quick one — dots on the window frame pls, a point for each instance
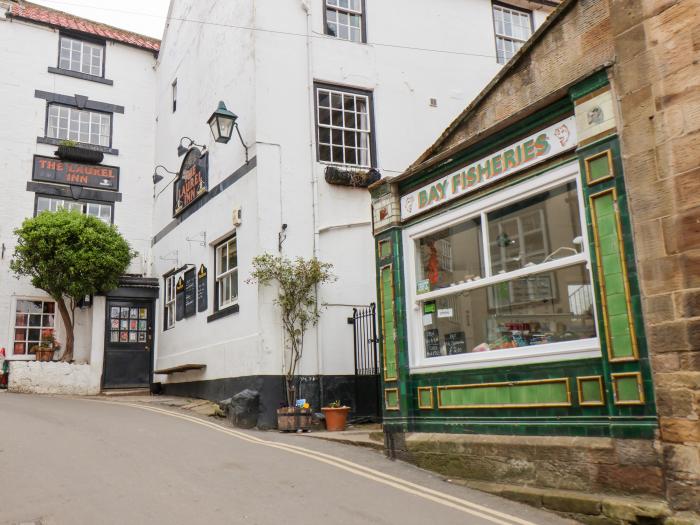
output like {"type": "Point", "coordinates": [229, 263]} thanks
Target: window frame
{"type": "Point", "coordinates": [363, 21]}
{"type": "Point", "coordinates": [13, 320]}
{"type": "Point", "coordinates": [496, 35]}
{"type": "Point", "coordinates": [371, 118]}
{"type": "Point", "coordinates": [578, 349]}
{"type": "Point", "coordinates": [86, 40]}
{"type": "Point", "coordinates": [74, 108]}
{"type": "Point", "coordinates": [169, 302]}
{"type": "Point", "coordinates": [84, 202]}
{"type": "Point", "coordinates": [173, 92]}
{"type": "Point", "coordinates": [234, 302]}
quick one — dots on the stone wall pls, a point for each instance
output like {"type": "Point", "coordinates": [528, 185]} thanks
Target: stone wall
{"type": "Point", "coordinates": [657, 84]}
{"type": "Point", "coordinates": [54, 377]}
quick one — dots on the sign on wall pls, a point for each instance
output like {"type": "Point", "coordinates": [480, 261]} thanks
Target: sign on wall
{"type": "Point", "coordinates": [202, 297]}
{"type": "Point", "coordinates": [519, 156]}
{"type": "Point", "coordinates": [190, 292]}
{"type": "Point", "coordinates": [51, 169]}
{"type": "Point", "coordinates": [180, 300]}
{"type": "Point", "coordinates": [192, 181]}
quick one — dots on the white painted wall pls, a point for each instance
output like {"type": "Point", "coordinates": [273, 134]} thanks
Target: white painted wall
{"type": "Point", "coordinates": [26, 51]}
{"type": "Point", "coordinates": [265, 76]}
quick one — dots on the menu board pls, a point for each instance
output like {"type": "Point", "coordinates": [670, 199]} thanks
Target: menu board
{"type": "Point", "coordinates": [455, 343]}
{"type": "Point", "coordinates": [202, 296]}
{"type": "Point", "coordinates": [180, 300]}
{"type": "Point", "coordinates": [432, 342]}
{"type": "Point", "coordinates": [190, 292]}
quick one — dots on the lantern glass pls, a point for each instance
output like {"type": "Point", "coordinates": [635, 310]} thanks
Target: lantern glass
{"type": "Point", "coordinates": [225, 128]}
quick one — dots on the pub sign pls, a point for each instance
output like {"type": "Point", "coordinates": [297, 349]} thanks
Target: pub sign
{"type": "Point", "coordinates": [52, 169]}
{"type": "Point", "coordinates": [192, 180]}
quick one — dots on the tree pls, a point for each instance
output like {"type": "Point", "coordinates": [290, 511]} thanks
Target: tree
{"type": "Point", "coordinates": [296, 298]}
{"type": "Point", "coordinates": [70, 255]}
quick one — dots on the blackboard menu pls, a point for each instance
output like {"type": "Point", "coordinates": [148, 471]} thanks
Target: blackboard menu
{"type": "Point", "coordinates": [202, 298]}
{"type": "Point", "coordinates": [455, 343]}
{"type": "Point", "coordinates": [180, 300]}
{"type": "Point", "coordinates": [190, 292]}
{"type": "Point", "coordinates": [432, 342]}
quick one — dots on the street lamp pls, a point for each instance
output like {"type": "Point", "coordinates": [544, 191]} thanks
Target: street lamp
{"type": "Point", "coordinates": [221, 123]}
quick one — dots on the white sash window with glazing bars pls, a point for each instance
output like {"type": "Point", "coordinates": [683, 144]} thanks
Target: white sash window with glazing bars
{"type": "Point", "coordinates": [80, 125]}
{"type": "Point", "coordinates": [81, 56]}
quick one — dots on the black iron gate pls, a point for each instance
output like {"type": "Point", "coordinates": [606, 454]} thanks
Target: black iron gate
{"type": "Point", "coordinates": [367, 384]}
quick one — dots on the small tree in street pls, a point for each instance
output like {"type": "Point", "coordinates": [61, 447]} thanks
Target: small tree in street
{"type": "Point", "coordinates": [296, 298]}
{"type": "Point", "coordinates": [70, 255]}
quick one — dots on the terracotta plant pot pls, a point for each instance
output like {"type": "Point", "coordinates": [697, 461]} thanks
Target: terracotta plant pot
{"type": "Point", "coordinates": [335, 418]}
{"type": "Point", "coordinates": [44, 354]}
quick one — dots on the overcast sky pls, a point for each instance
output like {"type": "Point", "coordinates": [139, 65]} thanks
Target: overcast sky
{"type": "Point", "coordinates": [141, 16]}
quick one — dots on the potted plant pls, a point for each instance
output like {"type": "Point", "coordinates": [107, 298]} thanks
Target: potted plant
{"type": "Point", "coordinates": [336, 416]}
{"type": "Point", "coordinates": [45, 349]}
{"type": "Point", "coordinates": [297, 282]}
{"type": "Point", "coordinates": [71, 150]}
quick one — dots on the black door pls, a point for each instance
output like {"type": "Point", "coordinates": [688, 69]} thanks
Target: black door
{"type": "Point", "coordinates": [128, 349]}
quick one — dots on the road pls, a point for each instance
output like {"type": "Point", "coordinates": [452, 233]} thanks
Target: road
{"type": "Point", "coordinates": [67, 461]}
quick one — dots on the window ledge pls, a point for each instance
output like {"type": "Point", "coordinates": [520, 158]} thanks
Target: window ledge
{"type": "Point", "coordinates": [78, 74]}
{"type": "Point", "coordinates": [233, 309]}
{"type": "Point", "coordinates": [56, 142]}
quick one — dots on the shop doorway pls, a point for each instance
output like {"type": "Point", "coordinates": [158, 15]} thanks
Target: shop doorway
{"type": "Point", "coordinates": [128, 360]}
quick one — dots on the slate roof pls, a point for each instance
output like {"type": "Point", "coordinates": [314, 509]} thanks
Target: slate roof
{"type": "Point", "coordinates": [45, 15]}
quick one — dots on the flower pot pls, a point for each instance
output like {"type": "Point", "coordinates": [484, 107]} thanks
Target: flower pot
{"type": "Point", "coordinates": [335, 418]}
{"type": "Point", "coordinates": [291, 419]}
{"type": "Point", "coordinates": [80, 154]}
{"type": "Point", "coordinates": [44, 354]}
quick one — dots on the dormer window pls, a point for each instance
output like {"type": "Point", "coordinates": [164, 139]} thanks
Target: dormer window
{"type": "Point", "coordinates": [81, 56]}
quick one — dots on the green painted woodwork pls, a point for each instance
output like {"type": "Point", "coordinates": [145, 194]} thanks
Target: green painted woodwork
{"type": "Point", "coordinates": [589, 85]}
{"type": "Point", "coordinates": [598, 168]}
{"type": "Point", "coordinates": [425, 398]}
{"type": "Point", "coordinates": [527, 394]}
{"type": "Point", "coordinates": [388, 322]}
{"type": "Point", "coordinates": [590, 390]}
{"type": "Point", "coordinates": [627, 388]}
{"type": "Point", "coordinates": [391, 398]}
{"type": "Point", "coordinates": [384, 249]}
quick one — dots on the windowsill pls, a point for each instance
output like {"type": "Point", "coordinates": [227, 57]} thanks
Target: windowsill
{"type": "Point", "coordinates": [57, 142]}
{"type": "Point", "coordinates": [82, 76]}
{"type": "Point", "coordinates": [224, 312]}
{"type": "Point", "coordinates": [354, 167]}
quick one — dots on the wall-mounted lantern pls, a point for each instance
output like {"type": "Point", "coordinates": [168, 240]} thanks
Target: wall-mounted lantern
{"type": "Point", "coordinates": [222, 122]}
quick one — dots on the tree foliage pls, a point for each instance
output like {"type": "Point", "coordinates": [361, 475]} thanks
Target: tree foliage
{"type": "Point", "coordinates": [297, 282]}
{"type": "Point", "coordinates": [70, 255]}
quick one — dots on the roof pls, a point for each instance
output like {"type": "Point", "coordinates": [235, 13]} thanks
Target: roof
{"type": "Point", "coordinates": [45, 15]}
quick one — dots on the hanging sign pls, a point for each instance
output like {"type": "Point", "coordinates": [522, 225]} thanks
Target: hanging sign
{"type": "Point", "coordinates": [525, 153]}
{"type": "Point", "coordinates": [202, 298]}
{"type": "Point", "coordinates": [190, 292]}
{"type": "Point", "coordinates": [180, 300]}
{"type": "Point", "coordinates": [192, 180]}
{"type": "Point", "coordinates": [51, 169]}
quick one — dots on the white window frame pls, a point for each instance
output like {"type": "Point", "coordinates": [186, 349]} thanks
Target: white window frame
{"type": "Point", "coordinates": [174, 94]}
{"type": "Point", "coordinates": [169, 303]}
{"type": "Point", "coordinates": [56, 203]}
{"type": "Point", "coordinates": [68, 46]}
{"type": "Point", "coordinates": [346, 11]}
{"type": "Point", "coordinates": [560, 351]}
{"type": "Point", "coordinates": [69, 123]}
{"type": "Point", "coordinates": [230, 273]}
{"type": "Point", "coordinates": [516, 41]}
{"type": "Point", "coordinates": [13, 320]}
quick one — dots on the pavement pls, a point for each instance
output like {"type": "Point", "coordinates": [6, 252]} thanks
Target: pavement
{"type": "Point", "coordinates": [74, 461]}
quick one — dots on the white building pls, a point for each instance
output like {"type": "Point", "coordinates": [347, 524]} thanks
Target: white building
{"type": "Point", "coordinates": [62, 77]}
{"type": "Point", "coordinates": [351, 84]}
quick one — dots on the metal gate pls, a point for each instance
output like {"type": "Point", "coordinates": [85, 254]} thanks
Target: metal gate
{"type": "Point", "coordinates": [367, 385]}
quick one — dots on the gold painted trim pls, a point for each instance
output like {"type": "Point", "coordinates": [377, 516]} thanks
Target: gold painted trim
{"type": "Point", "coordinates": [601, 278]}
{"type": "Point", "coordinates": [608, 133]}
{"type": "Point", "coordinates": [593, 94]}
{"type": "Point", "coordinates": [565, 380]}
{"type": "Point", "coordinates": [583, 403]}
{"type": "Point", "coordinates": [398, 399]}
{"type": "Point", "coordinates": [381, 243]}
{"type": "Point", "coordinates": [587, 164]}
{"type": "Point", "coordinates": [640, 388]}
{"type": "Point", "coordinates": [383, 321]}
{"type": "Point", "coordinates": [432, 402]}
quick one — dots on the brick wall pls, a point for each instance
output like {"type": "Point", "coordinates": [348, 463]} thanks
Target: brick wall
{"type": "Point", "coordinates": [657, 83]}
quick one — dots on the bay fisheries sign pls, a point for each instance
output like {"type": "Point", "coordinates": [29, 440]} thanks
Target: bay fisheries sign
{"type": "Point", "coordinates": [192, 180]}
{"type": "Point", "coordinates": [51, 169]}
{"type": "Point", "coordinates": [519, 156]}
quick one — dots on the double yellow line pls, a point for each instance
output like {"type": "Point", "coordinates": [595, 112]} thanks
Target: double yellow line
{"type": "Point", "coordinates": [435, 496]}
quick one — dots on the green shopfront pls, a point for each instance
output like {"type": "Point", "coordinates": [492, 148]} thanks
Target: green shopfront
{"type": "Point", "coordinates": [507, 285]}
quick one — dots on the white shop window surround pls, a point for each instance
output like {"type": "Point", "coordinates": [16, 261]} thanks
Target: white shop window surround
{"type": "Point", "coordinates": [31, 317]}
{"type": "Point", "coordinates": [81, 56]}
{"type": "Point", "coordinates": [536, 353]}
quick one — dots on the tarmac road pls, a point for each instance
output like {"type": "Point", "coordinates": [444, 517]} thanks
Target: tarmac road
{"type": "Point", "coordinates": [67, 461]}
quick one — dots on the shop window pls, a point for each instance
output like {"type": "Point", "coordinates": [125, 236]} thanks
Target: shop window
{"type": "Point", "coordinates": [102, 211]}
{"type": "Point", "coordinates": [343, 125]}
{"type": "Point", "coordinates": [83, 57]}
{"type": "Point", "coordinates": [345, 19]}
{"type": "Point", "coordinates": [79, 125]}
{"type": "Point", "coordinates": [512, 27]}
{"type": "Point", "coordinates": [226, 274]}
{"type": "Point", "coordinates": [33, 320]}
{"type": "Point", "coordinates": [169, 302]}
{"type": "Point", "coordinates": [521, 274]}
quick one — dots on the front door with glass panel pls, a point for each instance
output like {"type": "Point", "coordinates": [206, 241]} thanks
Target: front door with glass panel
{"type": "Point", "coordinates": [128, 344]}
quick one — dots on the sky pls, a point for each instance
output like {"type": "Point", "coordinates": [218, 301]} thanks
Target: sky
{"type": "Point", "coordinates": [141, 16]}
